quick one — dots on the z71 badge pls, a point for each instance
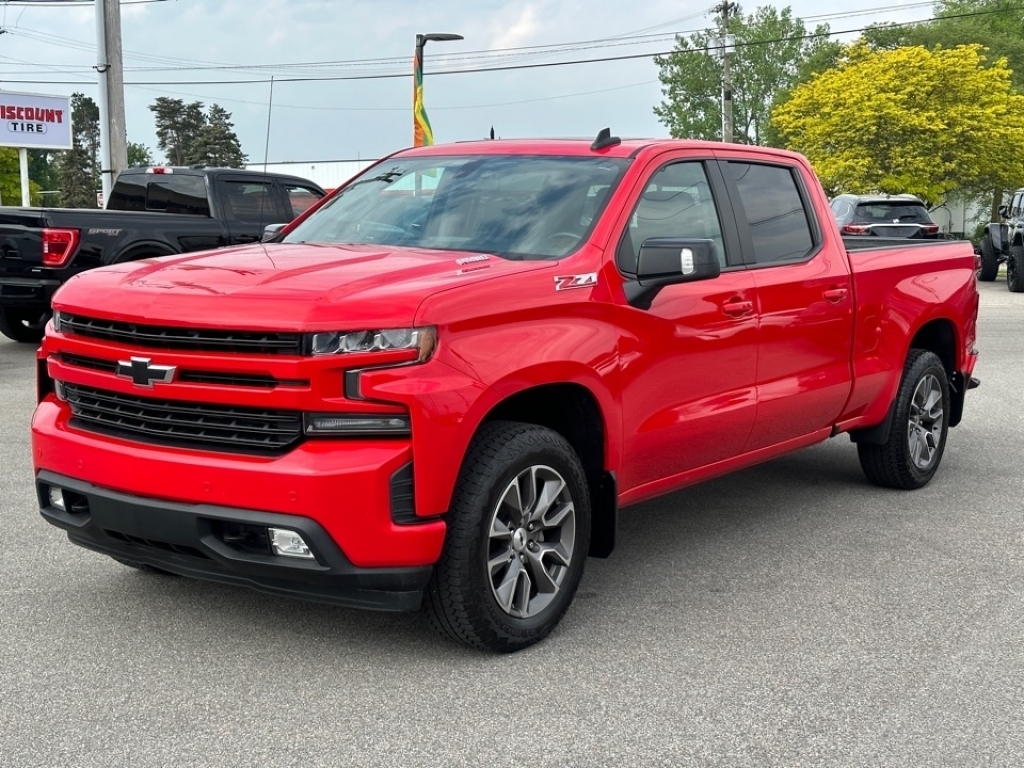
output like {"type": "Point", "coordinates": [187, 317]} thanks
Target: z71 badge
{"type": "Point", "coordinates": [565, 282]}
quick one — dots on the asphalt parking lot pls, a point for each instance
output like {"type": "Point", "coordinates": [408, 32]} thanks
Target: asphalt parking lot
{"type": "Point", "coordinates": [789, 615]}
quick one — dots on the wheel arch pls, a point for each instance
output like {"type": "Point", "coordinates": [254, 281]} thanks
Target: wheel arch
{"type": "Point", "coordinates": [573, 411]}
{"type": "Point", "coordinates": [144, 249]}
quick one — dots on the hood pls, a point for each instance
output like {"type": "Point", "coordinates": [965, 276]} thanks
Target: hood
{"type": "Point", "coordinates": [281, 286]}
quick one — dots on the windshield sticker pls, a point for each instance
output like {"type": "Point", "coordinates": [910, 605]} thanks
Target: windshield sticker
{"type": "Point", "coordinates": [566, 282]}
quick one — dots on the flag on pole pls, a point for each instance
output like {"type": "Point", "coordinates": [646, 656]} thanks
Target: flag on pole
{"type": "Point", "coordinates": [422, 135]}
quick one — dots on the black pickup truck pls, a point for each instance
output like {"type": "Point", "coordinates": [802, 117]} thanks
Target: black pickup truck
{"type": "Point", "coordinates": [154, 211]}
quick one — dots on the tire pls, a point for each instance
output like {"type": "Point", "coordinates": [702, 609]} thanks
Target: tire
{"type": "Point", "coordinates": [24, 324]}
{"type": "Point", "coordinates": [498, 550]}
{"type": "Point", "coordinates": [1015, 269]}
{"type": "Point", "coordinates": [917, 437]}
{"type": "Point", "coordinates": [989, 261]}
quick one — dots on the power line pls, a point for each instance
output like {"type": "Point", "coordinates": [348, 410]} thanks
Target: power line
{"type": "Point", "coordinates": [512, 67]}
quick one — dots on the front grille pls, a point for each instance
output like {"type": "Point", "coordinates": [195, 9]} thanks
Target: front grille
{"type": "Point", "coordinates": [192, 377]}
{"type": "Point", "coordinates": [184, 424]}
{"type": "Point", "coordinates": [164, 546]}
{"type": "Point", "coordinates": [199, 339]}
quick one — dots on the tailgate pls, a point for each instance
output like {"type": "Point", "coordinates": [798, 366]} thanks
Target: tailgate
{"type": "Point", "coordinates": [21, 245]}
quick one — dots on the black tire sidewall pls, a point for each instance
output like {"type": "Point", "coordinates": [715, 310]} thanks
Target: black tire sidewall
{"type": "Point", "coordinates": [573, 476]}
{"type": "Point", "coordinates": [12, 325]}
{"type": "Point", "coordinates": [459, 599]}
{"type": "Point", "coordinates": [989, 262]}
{"type": "Point", "coordinates": [925, 363]}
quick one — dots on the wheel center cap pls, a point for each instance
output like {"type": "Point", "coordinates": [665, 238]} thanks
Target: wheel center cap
{"type": "Point", "coordinates": [519, 540]}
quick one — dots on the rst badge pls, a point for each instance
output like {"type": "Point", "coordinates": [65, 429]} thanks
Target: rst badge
{"type": "Point", "coordinates": [566, 282]}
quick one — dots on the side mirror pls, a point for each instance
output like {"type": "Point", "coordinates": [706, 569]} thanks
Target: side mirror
{"type": "Point", "coordinates": [271, 231]}
{"type": "Point", "coordinates": [670, 261]}
{"type": "Point", "coordinates": [1004, 210]}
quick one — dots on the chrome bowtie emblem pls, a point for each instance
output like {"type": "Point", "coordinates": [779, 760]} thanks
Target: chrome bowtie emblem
{"type": "Point", "coordinates": [143, 373]}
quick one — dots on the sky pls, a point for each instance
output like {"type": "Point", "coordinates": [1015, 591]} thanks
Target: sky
{"type": "Point", "coordinates": [169, 45]}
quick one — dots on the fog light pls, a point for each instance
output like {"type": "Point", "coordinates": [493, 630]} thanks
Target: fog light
{"type": "Point", "coordinates": [57, 498]}
{"type": "Point", "coordinates": [288, 543]}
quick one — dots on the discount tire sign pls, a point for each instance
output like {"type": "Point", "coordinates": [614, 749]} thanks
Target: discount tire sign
{"type": "Point", "coordinates": [34, 121]}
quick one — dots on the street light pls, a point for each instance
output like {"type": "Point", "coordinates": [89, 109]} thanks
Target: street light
{"type": "Point", "coordinates": [421, 132]}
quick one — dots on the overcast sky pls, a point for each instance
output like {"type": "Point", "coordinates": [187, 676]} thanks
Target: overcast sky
{"type": "Point", "coordinates": [167, 41]}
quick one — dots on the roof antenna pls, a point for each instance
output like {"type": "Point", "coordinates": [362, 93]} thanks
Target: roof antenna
{"type": "Point", "coordinates": [492, 133]}
{"type": "Point", "coordinates": [604, 140]}
{"type": "Point", "coordinates": [266, 156]}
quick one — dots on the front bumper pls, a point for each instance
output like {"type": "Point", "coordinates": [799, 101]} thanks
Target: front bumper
{"type": "Point", "coordinates": [344, 486]}
{"type": "Point", "coordinates": [195, 540]}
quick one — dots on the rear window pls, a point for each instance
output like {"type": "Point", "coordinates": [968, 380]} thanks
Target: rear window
{"type": "Point", "coordinates": [892, 212]}
{"type": "Point", "coordinates": [166, 193]}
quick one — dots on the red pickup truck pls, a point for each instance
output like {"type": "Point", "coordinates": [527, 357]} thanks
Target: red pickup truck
{"type": "Point", "coordinates": [440, 385]}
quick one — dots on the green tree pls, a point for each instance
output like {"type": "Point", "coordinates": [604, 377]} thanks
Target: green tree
{"type": "Point", "coordinates": [773, 52]}
{"type": "Point", "coordinates": [996, 24]}
{"type": "Point", "coordinates": [78, 169]}
{"type": "Point", "coordinates": [10, 179]}
{"type": "Point", "coordinates": [217, 145]}
{"type": "Point", "coordinates": [909, 120]}
{"type": "Point", "coordinates": [139, 154]}
{"type": "Point", "coordinates": [178, 126]}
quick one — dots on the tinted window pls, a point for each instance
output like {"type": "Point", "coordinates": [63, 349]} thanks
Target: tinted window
{"type": "Point", "coordinates": [251, 202]}
{"type": "Point", "coordinates": [300, 198]}
{"type": "Point", "coordinates": [128, 194]}
{"type": "Point", "coordinates": [676, 203]}
{"type": "Point", "coordinates": [892, 212]}
{"type": "Point", "coordinates": [515, 206]}
{"type": "Point", "coordinates": [175, 193]}
{"type": "Point", "coordinates": [775, 212]}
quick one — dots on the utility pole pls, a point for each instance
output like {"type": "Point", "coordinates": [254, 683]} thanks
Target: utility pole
{"type": "Point", "coordinates": [726, 42]}
{"type": "Point", "coordinates": [113, 141]}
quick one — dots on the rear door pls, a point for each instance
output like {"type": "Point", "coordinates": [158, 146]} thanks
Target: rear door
{"type": "Point", "coordinates": [688, 361]}
{"type": "Point", "coordinates": [805, 302]}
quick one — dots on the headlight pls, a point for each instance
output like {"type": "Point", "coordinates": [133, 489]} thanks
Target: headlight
{"type": "Point", "coordinates": [423, 340]}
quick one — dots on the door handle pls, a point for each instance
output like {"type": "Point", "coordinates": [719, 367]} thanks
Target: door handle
{"type": "Point", "coordinates": [738, 308]}
{"type": "Point", "coordinates": [835, 295]}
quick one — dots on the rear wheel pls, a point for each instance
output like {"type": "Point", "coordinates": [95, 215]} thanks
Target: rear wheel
{"type": "Point", "coordinates": [24, 324]}
{"type": "Point", "coordinates": [989, 261]}
{"type": "Point", "coordinates": [911, 455]}
{"type": "Point", "coordinates": [518, 532]}
{"type": "Point", "coordinates": [1015, 269]}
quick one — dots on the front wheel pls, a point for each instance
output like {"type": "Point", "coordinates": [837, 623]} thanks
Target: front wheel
{"type": "Point", "coordinates": [518, 534]}
{"type": "Point", "coordinates": [24, 324]}
{"type": "Point", "coordinates": [1015, 269]}
{"type": "Point", "coordinates": [917, 437]}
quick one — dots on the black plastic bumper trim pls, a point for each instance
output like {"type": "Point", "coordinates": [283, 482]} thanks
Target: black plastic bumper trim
{"type": "Point", "coordinates": [183, 539]}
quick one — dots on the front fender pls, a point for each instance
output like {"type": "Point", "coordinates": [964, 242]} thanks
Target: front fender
{"type": "Point", "coordinates": [451, 396]}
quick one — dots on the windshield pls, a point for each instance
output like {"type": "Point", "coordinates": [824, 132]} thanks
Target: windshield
{"type": "Point", "coordinates": [514, 206]}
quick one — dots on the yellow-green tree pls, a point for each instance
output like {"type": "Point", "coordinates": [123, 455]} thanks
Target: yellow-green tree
{"type": "Point", "coordinates": [909, 120]}
{"type": "Point", "coordinates": [10, 180]}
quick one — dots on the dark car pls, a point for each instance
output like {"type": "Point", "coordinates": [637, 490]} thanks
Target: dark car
{"type": "Point", "coordinates": [156, 211]}
{"type": "Point", "coordinates": [883, 216]}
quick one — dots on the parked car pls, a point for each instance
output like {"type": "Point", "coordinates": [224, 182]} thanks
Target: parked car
{"type": "Point", "coordinates": [441, 387]}
{"type": "Point", "coordinates": [883, 216]}
{"type": "Point", "coordinates": [1003, 242]}
{"type": "Point", "coordinates": [154, 211]}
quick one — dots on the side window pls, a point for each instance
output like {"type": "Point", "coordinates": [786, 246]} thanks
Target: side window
{"type": "Point", "coordinates": [775, 211]}
{"type": "Point", "coordinates": [676, 203]}
{"type": "Point", "coordinates": [841, 209]}
{"type": "Point", "coordinates": [300, 198]}
{"type": "Point", "coordinates": [177, 193]}
{"type": "Point", "coordinates": [251, 202]}
{"type": "Point", "coordinates": [1015, 205]}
